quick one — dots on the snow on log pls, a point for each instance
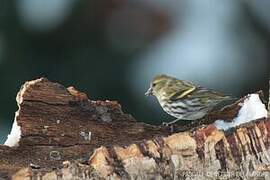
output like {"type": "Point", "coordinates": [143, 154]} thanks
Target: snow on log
{"type": "Point", "coordinates": [60, 133]}
{"type": "Point", "coordinates": [252, 108]}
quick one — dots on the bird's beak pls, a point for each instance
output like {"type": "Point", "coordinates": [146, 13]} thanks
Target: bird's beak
{"type": "Point", "coordinates": [149, 92]}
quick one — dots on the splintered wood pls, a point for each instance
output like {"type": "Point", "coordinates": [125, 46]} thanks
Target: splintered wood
{"type": "Point", "coordinates": [65, 135]}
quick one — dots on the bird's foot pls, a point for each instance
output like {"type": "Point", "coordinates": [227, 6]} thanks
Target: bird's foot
{"type": "Point", "coordinates": [165, 124]}
{"type": "Point", "coordinates": [168, 125]}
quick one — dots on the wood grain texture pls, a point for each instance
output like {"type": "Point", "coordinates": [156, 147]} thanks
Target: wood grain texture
{"type": "Point", "coordinates": [60, 124]}
{"type": "Point", "coordinates": [64, 134]}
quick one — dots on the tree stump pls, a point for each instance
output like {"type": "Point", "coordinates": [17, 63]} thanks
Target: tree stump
{"type": "Point", "coordinates": [60, 133]}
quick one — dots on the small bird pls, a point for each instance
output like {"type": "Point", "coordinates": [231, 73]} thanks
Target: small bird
{"type": "Point", "coordinates": [183, 99]}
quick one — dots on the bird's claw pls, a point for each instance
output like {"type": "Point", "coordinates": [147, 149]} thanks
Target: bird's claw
{"type": "Point", "coordinates": [165, 124]}
{"type": "Point", "coordinates": [168, 125]}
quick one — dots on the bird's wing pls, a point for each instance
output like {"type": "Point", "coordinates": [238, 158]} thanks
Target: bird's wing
{"type": "Point", "coordinates": [201, 91]}
{"type": "Point", "coordinates": [181, 89]}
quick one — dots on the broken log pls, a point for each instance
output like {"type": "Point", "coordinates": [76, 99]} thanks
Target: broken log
{"type": "Point", "coordinates": [59, 132]}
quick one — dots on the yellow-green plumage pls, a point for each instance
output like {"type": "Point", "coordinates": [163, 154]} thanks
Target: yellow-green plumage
{"type": "Point", "coordinates": [183, 99]}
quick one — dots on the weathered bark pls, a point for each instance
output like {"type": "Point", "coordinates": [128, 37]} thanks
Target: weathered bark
{"type": "Point", "coordinates": [64, 134]}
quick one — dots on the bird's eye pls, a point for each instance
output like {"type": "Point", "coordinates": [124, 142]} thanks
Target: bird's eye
{"type": "Point", "coordinates": [154, 84]}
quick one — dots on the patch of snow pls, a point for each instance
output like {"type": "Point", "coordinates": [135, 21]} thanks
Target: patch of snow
{"type": "Point", "coordinates": [15, 134]}
{"type": "Point", "coordinates": [86, 136]}
{"type": "Point", "coordinates": [251, 109]}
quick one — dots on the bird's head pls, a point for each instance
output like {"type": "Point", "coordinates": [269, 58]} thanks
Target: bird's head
{"type": "Point", "coordinates": [166, 87]}
{"type": "Point", "coordinates": [159, 86]}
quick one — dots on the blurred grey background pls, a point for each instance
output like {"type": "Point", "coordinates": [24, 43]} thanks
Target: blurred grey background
{"type": "Point", "coordinates": [111, 49]}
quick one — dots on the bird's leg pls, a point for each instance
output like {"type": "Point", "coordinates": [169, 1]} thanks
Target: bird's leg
{"type": "Point", "coordinates": [178, 128]}
{"type": "Point", "coordinates": [170, 123]}
{"type": "Point", "coordinates": [178, 119]}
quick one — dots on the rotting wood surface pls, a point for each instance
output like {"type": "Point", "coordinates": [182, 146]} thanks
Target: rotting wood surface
{"type": "Point", "coordinates": [64, 134]}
